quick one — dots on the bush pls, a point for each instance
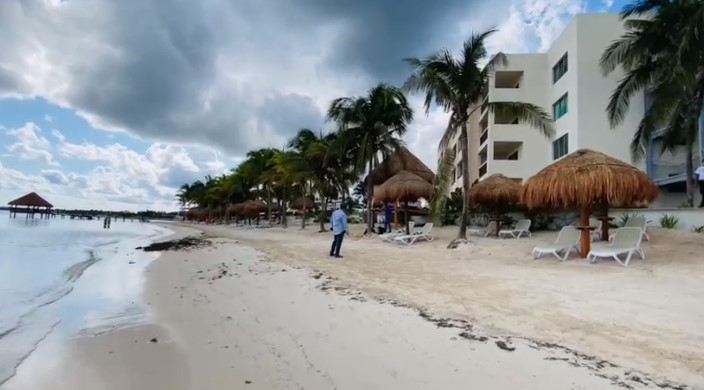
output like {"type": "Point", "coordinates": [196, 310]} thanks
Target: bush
{"type": "Point", "coordinates": [669, 221]}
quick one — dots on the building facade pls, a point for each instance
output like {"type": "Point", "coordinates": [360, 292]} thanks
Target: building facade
{"type": "Point", "coordinates": [567, 82]}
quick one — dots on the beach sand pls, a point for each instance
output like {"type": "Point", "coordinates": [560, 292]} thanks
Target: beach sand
{"type": "Point", "coordinates": [485, 315]}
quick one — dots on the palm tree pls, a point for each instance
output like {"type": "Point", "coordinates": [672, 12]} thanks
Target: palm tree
{"type": "Point", "coordinates": [662, 53]}
{"type": "Point", "coordinates": [371, 128]}
{"type": "Point", "coordinates": [459, 85]}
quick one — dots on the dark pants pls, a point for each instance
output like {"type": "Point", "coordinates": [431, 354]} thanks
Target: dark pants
{"type": "Point", "coordinates": [336, 244]}
{"type": "Point", "coordinates": [701, 192]}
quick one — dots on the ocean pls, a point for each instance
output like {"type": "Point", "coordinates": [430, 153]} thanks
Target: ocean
{"type": "Point", "coordinates": [61, 278]}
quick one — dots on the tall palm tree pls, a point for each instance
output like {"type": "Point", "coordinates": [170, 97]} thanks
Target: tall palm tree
{"type": "Point", "coordinates": [371, 128]}
{"type": "Point", "coordinates": [662, 53]}
{"type": "Point", "coordinates": [459, 85]}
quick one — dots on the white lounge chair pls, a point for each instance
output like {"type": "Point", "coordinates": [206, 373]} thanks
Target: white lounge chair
{"type": "Point", "coordinates": [424, 234]}
{"type": "Point", "coordinates": [639, 222]}
{"type": "Point", "coordinates": [522, 227]}
{"type": "Point", "coordinates": [626, 241]}
{"type": "Point", "coordinates": [597, 226]}
{"type": "Point", "coordinates": [389, 237]}
{"type": "Point", "coordinates": [566, 241]}
{"type": "Point", "coordinates": [483, 232]}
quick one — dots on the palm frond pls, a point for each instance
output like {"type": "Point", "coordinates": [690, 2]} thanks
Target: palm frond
{"type": "Point", "coordinates": [441, 185]}
{"type": "Point", "coordinates": [526, 113]}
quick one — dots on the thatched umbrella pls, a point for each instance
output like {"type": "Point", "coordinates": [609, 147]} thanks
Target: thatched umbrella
{"type": "Point", "coordinates": [302, 202]}
{"type": "Point", "coordinates": [404, 187]}
{"type": "Point", "coordinates": [585, 179]}
{"type": "Point", "coordinates": [252, 208]}
{"type": "Point", "coordinates": [494, 192]}
{"type": "Point", "coordinates": [402, 160]}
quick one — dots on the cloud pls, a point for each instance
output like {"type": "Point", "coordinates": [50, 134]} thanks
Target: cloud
{"type": "Point", "coordinates": [221, 77]}
{"type": "Point", "coordinates": [30, 145]}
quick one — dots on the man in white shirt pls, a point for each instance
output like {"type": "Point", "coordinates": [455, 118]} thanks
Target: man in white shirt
{"type": "Point", "coordinates": [699, 173]}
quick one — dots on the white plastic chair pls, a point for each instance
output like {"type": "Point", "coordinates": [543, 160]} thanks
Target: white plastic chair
{"type": "Point", "coordinates": [626, 241]}
{"type": "Point", "coordinates": [566, 241]}
{"type": "Point", "coordinates": [483, 232]}
{"type": "Point", "coordinates": [389, 237]}
{"type": "Point", "coordinates": [639, 222]}
{"type": "Point", "coordinates": [424, 234]}
{"type": "Point", "coordinates": [522, 227]}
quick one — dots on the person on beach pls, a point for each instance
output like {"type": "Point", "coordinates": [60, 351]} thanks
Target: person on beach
{"type": "Point", "coordinates": [699, 176]}
{"type": "Point", "coordinates": [339, 229]}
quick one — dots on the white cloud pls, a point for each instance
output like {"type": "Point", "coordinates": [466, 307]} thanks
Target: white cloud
{"type": "Point", "coordinates": [48, 118]}
{"type": "Point", "coordinates": [31, 144]}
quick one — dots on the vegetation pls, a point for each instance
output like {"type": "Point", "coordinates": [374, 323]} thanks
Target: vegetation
{"type": "Point", "coordinates": [669, 221]}
{"type": "Point", "coordinates": [662, 52]}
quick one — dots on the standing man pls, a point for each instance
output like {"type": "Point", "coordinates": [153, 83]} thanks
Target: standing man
{"type": "Point", "coordinates": [339, 229]}
{"type": "Point", "coordinates": [388, 215]}
{"type": "Point", "coordinates": [699, 175]}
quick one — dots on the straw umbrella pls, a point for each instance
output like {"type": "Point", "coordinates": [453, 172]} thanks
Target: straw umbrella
{"type": "Point", "coordinates": [585, 179]}
{"type": "Point", "coordinates": [404, 187]}
{"type": "Point", "coordinates": [495, 192]}
{"type": "Point", "coordinates": [302, 203]}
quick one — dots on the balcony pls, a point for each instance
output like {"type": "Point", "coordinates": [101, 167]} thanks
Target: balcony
{"type": "Point", "coordinates": [507, 150]}
{"type": "Point", "coordinates": [505, 119]}
{"type": "Point", "coordinates": [508, 79]}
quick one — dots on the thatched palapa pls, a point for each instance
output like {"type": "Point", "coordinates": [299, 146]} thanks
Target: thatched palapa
{"type": "Point", "coordinates": [252, 208]}
{"type": "Point", "coordinates": [587, 179]}
{"type": "Point", "coordinates": [405, 187]}
{"type": "Point", "coordinates": [402, 160]}
{"type": "Point", "coordinates": [495, 191]}
{"type": "Point", "coordinates": [299, 203]}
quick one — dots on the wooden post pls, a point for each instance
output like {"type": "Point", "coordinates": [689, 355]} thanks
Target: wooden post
{"type": "Point", "coordinates": [605, 222]}
{"type": "Point", "coordinates": [396, 206]}
{"type": "Point", "coordinates": [405, 215]}
{"type": "Point", "coordinates": [586, 233]}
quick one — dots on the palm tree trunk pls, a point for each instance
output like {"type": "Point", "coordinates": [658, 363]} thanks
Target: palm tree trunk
{"type": "Point", "coordinates": [284, 220]}
{"type": "Point", "coordinates": [464, 219]}
{"type": "Point", "coordinates": [689, 172]}
{"type": "Point", "coordinates": [305, 199]}
{"type": "Point", "coordinates": [322, 213]}
{"type": "Point", "coordinates": [370, 197]}
{"type": "Point", "coordinates": [268, 204]}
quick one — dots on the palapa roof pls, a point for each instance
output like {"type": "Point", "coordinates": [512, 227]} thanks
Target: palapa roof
{"type": "Point", "coordinates": [494, 190]}
{"type": "Point", "coordinates": [587, 177]}
{"type": "Point", "coordinates": [402, 160]}
{"type": "Point", "coordinates": [32, 200]}
{"type": "Point", "coordinates": [404, 186]}
{"type": "Point", "coordinates": [298, 203]}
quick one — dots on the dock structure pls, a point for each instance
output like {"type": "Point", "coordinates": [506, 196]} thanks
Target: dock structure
{"type": "Point", "coordinates": [31, 205]}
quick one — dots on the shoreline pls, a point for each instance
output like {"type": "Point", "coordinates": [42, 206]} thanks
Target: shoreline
{"type": "Point", "coordinates": [313, 324]}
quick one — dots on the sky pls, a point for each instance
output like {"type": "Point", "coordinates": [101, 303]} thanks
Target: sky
{"type": "Point", "coordinates": [114, 104]}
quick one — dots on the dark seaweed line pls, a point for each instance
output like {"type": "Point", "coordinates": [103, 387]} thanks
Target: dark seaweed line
{"type": "Point", "coordinates": [579, 359]}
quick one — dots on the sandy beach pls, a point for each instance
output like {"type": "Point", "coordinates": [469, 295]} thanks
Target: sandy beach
{"type": "Point", "coordinates": [268, 309]}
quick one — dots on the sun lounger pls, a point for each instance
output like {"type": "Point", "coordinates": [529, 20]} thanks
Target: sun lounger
{"type": "Point", "coordinates": [626, 241]}
{"type": "Point", "coordinates": [483, 232]}
{"type": "Point", "coordinates": [389, 237]}
{"type": "Point", "coordinates": [566, 241]}
{"type": "Point", "coordinates": [424, 234]}
{"type": "Point", "coordinates": [639, 222]}
{"type": "Point", "coordinates": [522, 227]}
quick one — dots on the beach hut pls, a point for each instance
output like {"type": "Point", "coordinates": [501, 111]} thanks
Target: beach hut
{"type": "Point", "coordinates": [495, 193]}
{"type": "Point", "coordinates": [252, 208]}
{"type": "Point", "coordinates": [30, 204]}
{"type": "Point", "coordinates": [587, 179]}
{"type": "Point", "coordinates": [404, 187]}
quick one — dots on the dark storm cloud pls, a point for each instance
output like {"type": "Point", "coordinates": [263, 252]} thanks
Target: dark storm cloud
{"type": "Point", "coordinates": [383, 32]}
{"type": "Point", "coordinates": [155, 67]}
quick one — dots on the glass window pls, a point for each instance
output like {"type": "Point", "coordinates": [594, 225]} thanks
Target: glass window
{"type": "Point", "coordinates": [559, 108]}
{"type": "Point", "coordinates": [559, 69]}
{"type": "Point", "coordinates": [560, 146]}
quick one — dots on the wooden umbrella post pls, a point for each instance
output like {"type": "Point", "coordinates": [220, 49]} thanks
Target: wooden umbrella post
{"type": "Point", "coordinates": [405, 216]}
{"type": "Point", "coordinates": [605, 222]}
{"type": "Point", "coordinates": [396, 214]}
{"type": "Point", "coordinates": [585, 241]}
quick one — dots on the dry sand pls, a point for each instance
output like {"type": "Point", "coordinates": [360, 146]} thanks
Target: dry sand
{"type": "Point", "coordinates": [289, 316]}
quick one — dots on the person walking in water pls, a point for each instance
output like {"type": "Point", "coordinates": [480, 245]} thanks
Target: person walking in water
{"type": "Point", "coordinates": [339, 229]}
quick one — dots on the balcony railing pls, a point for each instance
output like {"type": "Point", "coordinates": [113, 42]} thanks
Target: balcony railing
{"type": "Point", "coordinates": [482, 169]}
{"type": "Point", "coordinates": [484, 137]}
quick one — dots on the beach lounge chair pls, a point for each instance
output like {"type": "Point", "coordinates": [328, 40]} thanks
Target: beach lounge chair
{"type": "Point", "coordinates": [626, 241]}
{"type": "Point", "coordinates": [389, 237]}
{"type": "Point", "coordinates": [424, 234]}
{"type": "Point", "coordinates": [596, 225]}
{"type": "Point", "coordinates": [483, 232]}
{"type": "Point", "coordinates": [522, 227]}
{"type": "Point", "coordinates": [566, 241]}
{"type": "Point", "coordinates": [639, 222]}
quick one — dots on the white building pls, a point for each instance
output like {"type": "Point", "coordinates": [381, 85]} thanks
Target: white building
{"type": "Point", "coordinates": [567, 81]}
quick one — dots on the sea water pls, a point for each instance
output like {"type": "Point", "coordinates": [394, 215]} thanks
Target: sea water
{"type": "Point", "coordinates": [67, 276]}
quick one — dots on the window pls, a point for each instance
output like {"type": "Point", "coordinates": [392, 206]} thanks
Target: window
{"type": "Point", "coordinates": [559, 108]}
{"type": "Point", "coordinates": [560, 147]}
{"type": "Point", "coordinates": [559, 69]}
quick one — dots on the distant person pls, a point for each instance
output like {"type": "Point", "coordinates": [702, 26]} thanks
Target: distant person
{"type": "Point", "coordinates": [388, 215]}
{"type": "Point", "coordinates": [339, 229]}
{"type": "Point", "coordinates": [699, 173]}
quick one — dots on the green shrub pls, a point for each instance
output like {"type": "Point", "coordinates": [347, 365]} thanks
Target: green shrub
{"type": "Point", "coordinates": [669, 221]}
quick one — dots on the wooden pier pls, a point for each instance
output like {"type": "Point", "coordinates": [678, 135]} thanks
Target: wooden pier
{"type": "Point", "coordinates": [31, 205]}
